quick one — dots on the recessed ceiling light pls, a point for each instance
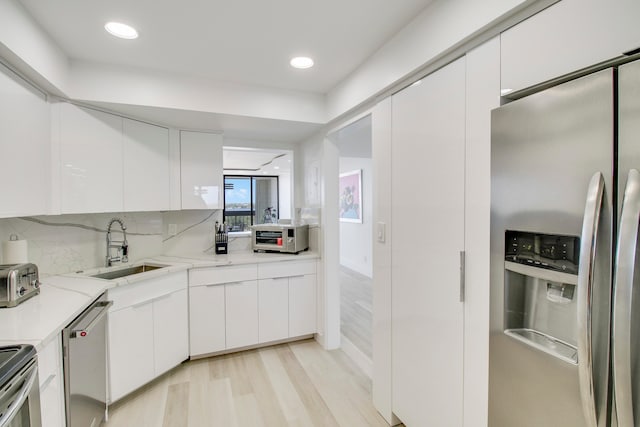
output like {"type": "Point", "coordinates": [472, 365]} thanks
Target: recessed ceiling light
{"type": "Point", "coordinates": [301, 62]}
{"type": "Point", "coordinates": [276, 167]}
{"type": "Point", "coordinates": [121, 30]}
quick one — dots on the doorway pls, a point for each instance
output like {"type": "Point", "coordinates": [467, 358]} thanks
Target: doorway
{"type": "Point", "coordinates": [355, 236]}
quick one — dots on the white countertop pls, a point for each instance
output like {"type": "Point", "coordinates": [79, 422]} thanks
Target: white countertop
{"type": "Point", "coordinates": [43, 316]}
{"type": "Point", "coordinates": [64, 297]}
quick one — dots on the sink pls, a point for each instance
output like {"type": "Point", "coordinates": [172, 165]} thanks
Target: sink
{"type": "Point", "coordinates": [129, 271]}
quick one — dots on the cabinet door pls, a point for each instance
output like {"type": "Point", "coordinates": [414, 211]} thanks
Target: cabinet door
{"type": "Point", "coordinates": [51, 384]}
{"type": "Point", "coordinates": [273, 309]}
{"type": "Point", "coordinates": [241, 302]}
{"type": "Point", "coordinates": [25, 146]}
{"type": "Point", "coordinates": [302, 305]}
{"type": "Point", "coordinates": [91, 160]}
{"type": "Point", "coordinates": [146, 167]}
{"type": "Point", "coordinates": [201, 170]}
{"type": "Point", "coordinates": [170, 331]}
{"type": "Point", "coordinates": [130, 349]}
{"type": "Point", "coordinates": [427, 181]}
{"type": "Point", "coordinates": [206, 319]}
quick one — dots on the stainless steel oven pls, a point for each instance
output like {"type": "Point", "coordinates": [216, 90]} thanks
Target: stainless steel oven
{"type": "Point", "coordinates": [19, 389]}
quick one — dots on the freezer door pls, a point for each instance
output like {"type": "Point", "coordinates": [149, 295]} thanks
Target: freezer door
{"type": "Point", "coordinates": [546, 150]}
{"type": "Point", "coordinates": [626, 314]}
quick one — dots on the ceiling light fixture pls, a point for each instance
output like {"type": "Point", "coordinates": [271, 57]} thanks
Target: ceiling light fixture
{"type": "Point", "coordinates": [301, 62]}
{"type": "Point", "coordinates": [121, 30]}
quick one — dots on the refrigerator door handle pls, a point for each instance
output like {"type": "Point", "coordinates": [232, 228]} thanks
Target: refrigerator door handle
{"type": "Point", "coordinates": [623, 291]}
{"type": "Point", "coordinates": [588, 242]}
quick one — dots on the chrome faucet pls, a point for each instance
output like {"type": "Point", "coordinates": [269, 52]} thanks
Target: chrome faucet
{"type": "Point", "coordinates": [122, 247]}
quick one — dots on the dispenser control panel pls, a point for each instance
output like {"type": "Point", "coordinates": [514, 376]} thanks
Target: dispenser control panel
{"type": "Point", "coordinates": [550, 251]}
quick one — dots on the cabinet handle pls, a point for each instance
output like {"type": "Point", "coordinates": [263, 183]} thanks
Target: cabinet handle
{"type": "Point", "coordinates": [213, 284]}
{"type": "Point", "coordinates": [140, 304]}
{"type": "Point", "coordinates": [462, 275]}
{"type": "Point", "coordinates": [295, 277]}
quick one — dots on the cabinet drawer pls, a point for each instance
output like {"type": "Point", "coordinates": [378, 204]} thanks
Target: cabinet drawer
{"type": "Point", "coordinates": [147, 290]}
{"type": "Point", "coordinates": [222, 274]}
{"type": "Point", "coordinates": [286, 269]}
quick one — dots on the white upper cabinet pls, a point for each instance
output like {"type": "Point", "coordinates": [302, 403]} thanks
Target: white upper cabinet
{"type": "Point", "coordinates": [90, 160]}
{"type": "Point", "coordinates": [146, 167]}
{"type": "Point", "coordinates": [110, 164]}
{"type": "Point", "coordinates": [24, 142]}
{"type": "Point", "coordinates": [568, 36]}
{"type": "Point", "coordinates": [201, 170]}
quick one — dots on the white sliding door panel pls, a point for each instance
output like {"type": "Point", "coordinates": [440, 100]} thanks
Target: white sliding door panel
{"type": "Point", "coordinates": [428, 152]}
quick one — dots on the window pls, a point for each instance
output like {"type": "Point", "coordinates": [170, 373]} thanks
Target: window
{"type": "Point", "coordinates": [250, 200]}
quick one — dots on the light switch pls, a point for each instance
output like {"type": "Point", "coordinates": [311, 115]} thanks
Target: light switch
{"type": "Point", "coordinates": [381, 231]}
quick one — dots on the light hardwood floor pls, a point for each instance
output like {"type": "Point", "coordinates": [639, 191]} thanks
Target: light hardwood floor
{"type": "Point", "coordinates": [294, 384]}
{"type": "Point", "coordinates": [356, 301]}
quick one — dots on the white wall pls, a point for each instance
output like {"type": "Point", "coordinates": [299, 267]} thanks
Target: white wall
{"type": "Point", "coordinates": [355, 238]}
{"type": "Point", "coordinates": [30, 49]}
{"type": "Point", "coordinates": [437, 28]}
{"type": "Point", "coordinates": [121, 85]}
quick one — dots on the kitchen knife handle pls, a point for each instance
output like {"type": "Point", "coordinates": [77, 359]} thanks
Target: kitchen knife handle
{"type": "Point", "coordinates": [625, 262]}
{"type": "Point", "coordinates": [588, 240]}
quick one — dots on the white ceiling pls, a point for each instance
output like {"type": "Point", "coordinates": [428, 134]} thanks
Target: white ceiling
{"type": "Point", "coordinates": [245, 41]}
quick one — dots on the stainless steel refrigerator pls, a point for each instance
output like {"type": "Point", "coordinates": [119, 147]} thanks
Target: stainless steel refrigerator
{"type": "Point", "coordinates": [565, 290]}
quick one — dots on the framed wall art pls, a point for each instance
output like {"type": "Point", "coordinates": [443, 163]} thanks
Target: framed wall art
{"type": "Point", "coordinates": [351, 196]}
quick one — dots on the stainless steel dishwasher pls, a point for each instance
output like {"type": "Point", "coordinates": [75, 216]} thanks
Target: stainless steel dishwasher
{"type": "Point", "coordinates": [84, 344]}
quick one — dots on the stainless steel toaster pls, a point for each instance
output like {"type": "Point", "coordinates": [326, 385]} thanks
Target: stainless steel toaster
{"type": "Point", "coordinates": [18, 282]}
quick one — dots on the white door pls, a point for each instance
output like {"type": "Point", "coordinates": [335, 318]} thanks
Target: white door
{"type": "Point", "coordinates": [241, 313]}
{"type": "Point", "coordinates": [273, 309]}
{"type": "Point", "coordinates": [206, 319]}
{"type": "Point", "coordinates": [302, 305]}
{"type": "Point", "coordinates": [428, 137]}
{"type": "Point", "coordinates": [130, 349]}
{"type": "Point", "coordinates": [170, 331]}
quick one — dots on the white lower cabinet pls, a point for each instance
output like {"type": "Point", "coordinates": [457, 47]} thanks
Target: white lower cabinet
{"type": "Point", "coordinates": [302, 305]}
{"type": "Point", "coordinates": [130, 349]}
{"type": "Point", "coordinates": [51, 379]}
{"type": "Point", "coordinates": [235, 306]}
{"type": "Point", "coordinates": [170, 324]}
{"type": "Point", "coordinates": [273, 309]}
{"type": "Point", "coordinates": [207, 324]}
{"type": "Point", "coordinates": [148, 331]}
{"type": "Point", "coordinates": [241, 313]}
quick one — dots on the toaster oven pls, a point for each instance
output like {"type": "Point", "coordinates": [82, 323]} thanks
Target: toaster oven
{"type": "Point", "coordinates": [284, 238]}
{"type": "Point", "coordinates": [18, 282]}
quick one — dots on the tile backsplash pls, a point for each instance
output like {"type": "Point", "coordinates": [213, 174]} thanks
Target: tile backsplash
{"type": "Point", "coordinates": [67, 243]}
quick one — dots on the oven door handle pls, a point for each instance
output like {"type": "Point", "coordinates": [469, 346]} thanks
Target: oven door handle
{"type": "Point", "coordinates": [22, 396]}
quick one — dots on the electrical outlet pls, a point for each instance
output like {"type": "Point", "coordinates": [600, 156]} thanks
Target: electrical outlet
{"type": "Point", "coordinates": [173, 229]}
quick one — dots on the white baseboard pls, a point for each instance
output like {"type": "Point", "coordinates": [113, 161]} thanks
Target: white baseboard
{"type": "Point", "coordinates": [355, 354]}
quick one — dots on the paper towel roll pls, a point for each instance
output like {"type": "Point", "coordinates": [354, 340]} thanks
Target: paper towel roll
{"type": "Point", "coordinates": [14, 252]}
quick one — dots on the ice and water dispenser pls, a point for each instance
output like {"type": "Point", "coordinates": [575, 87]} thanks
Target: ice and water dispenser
{"type": "Point", "coordinates": [540, 295]}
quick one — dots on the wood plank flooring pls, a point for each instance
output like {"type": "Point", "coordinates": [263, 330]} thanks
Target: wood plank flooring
{"type": "Point", "coordinates": [294, 384]}
{"type": "Point", "coordinates": [356, 301]}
